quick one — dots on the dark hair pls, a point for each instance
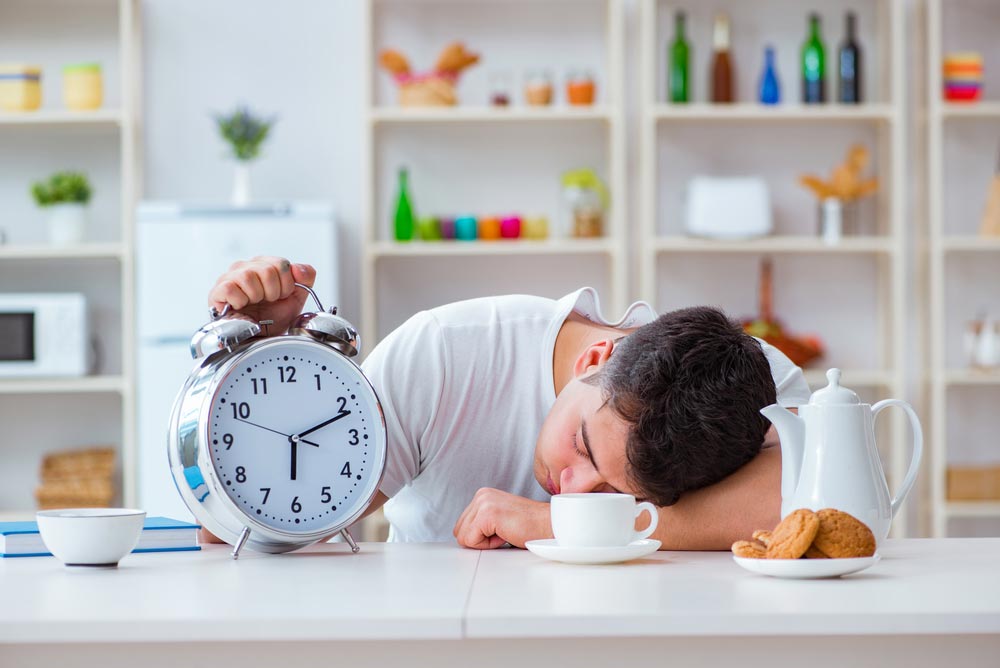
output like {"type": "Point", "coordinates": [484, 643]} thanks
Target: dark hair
{"type": "Point", "coordinates": [691, 385]}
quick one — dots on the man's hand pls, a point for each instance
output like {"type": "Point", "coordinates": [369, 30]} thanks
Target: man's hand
{"type": "Point", "coordinates": [264, 289]}
{"type": "Point", "coordinates": [494, 518]}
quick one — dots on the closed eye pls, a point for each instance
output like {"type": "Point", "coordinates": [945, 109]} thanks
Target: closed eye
{"type": "Point", "coordinates": [577, 449]}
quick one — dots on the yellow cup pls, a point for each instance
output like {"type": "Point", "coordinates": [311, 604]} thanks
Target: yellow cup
{"type": "Point", "coordinates": [83, 88]}
{"type": "Point", "coordinates": [20, 87]}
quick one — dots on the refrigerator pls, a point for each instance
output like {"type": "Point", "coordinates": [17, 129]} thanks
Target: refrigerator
{"type": "Point", "coordinates": [180, 251]}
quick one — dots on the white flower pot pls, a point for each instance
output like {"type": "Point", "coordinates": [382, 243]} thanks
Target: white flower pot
{"type": "Point", "coordinates": [66, 223]}
{"type": "Point", "coordinates": [241, 184]}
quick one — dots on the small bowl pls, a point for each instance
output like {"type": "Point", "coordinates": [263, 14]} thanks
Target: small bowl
{"type": "Point", "coordinates": [91, 536]}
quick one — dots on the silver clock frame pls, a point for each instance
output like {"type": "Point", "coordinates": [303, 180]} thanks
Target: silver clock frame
{"type": "Point", "coordinates": [194, 475]}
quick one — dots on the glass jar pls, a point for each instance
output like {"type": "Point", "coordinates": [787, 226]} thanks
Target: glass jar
{"type": "Point", "coordinates": [580, 88]}
{"type": "Point", "coordinates": [500, 89]}
{"type": "Point", "coordinates": [83, 88]}
{"type": "Point", "coordinates": [586, 200]}
{"type": "Point", "coordinates": [538, 88]}
{"type": "Point", "coordinates": [20, 87]}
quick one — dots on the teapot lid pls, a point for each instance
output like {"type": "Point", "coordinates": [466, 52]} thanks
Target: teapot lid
{"type": "Point", "coordinates": [834, 393]}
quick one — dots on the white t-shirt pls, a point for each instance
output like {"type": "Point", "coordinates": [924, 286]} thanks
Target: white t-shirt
{"type": "Point", "coordinates": [465, 389]}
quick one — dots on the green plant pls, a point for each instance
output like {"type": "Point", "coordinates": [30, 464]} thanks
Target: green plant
{"type": "Point", "coordinates": [244, 131]}
{"type": "Point", "coordinates": [62, 188]}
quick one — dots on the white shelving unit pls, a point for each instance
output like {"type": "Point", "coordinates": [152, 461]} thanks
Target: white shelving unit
{"type": "Point", "coordinates": [964, 269]}
{"type": "Point", "coordinates": [44, 414]}
{"type": "Point", "coordinates": [679, 141]}
{"type": "Point", "coordinates": [515, 150]}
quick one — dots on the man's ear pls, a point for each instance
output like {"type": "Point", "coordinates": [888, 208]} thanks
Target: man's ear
{"type": "Point", "coordinates": [593, 357]}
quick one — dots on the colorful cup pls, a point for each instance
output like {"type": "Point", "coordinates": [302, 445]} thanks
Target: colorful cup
{"type": "Point", "coordinates": [447, 226]}
{"type": "Point", "coordinates": [465, 228]}
{"type": "Point", "coordinates": [489, 228]}
{"type": "Point", "coordinates": [510, 227]}
{"type": "Point", "coordinates": [428, 228]}
{"type": "Point", "coordinates": [535, 227]}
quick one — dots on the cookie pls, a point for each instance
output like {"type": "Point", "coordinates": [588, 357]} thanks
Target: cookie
{"type": "Point", "coordinates": [843, 536]}
{"type": "Point", "coordinates": [814, 553]}
{"type": "Point", "coordinates": [762, 536]}
{"type": "Point", "coordinates": [749, 549]}
{"type": "Point", "coordinates": [793, 536]}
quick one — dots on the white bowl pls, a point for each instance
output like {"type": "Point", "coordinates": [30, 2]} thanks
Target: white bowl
{"type": "Point", "coordinates": [91, 536]}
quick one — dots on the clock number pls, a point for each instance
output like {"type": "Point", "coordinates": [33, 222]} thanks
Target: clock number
{"type": "Point", "coordinates": [346, 470]}
{"type": "Point", "coordinates": [318, 385]}
{"type": "Point", "coordinates": [287, 374]}
{"type": "Point", "coordinates": [263, 385]}
{"type": "Point", "coordinates": [296, 506]}
{"type": "Point", "coordinates": [241, 474]}
{"type": "Point", "coordinates": [267, 493]}
{"type": "Point", "coordinates": [241, 410]}
{"type": "Point", "coordinates": [343, 406]}
{"type": "Point", "coordinates": [326, 497]}
{"type": "Point", "coordinates": [354, 437]}
{"type": "Point", "coordinates": [228, 440]}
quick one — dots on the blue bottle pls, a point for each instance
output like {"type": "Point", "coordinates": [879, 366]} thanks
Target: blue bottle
{"type": "Point", "coordinates": [770, 88]}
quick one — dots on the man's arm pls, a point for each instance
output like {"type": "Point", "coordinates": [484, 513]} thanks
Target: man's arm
{"type": "Point", "coordinates": [714, 517]}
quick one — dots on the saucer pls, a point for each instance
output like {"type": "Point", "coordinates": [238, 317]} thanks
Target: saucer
{"type": "Point", "coordinates": [550, 549]}
{"type": "Point", "coordinates": [802, 569]}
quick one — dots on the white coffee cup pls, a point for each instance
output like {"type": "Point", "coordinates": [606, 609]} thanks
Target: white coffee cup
{"type": "Point", "coordinates": [598, 520]}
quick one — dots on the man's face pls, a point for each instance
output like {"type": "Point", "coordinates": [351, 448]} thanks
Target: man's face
{"type": "Point", "coordinates": [581, 447]}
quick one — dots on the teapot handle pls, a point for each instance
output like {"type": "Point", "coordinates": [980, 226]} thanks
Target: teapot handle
{"type": "Point", "coordinates": [918, 448]}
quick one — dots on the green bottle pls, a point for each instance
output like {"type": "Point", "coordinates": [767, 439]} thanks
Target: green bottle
{"type": "Point", "coordinates": [813, 65]}
{"type": "Point", "coordinates": [403, 220]}
{"type": "Point", "coordinates": [679, 70]}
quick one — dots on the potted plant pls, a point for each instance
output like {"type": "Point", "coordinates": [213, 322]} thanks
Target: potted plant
{"type": "Point", "coordinates": [65, 196]}
{"type": "Point", "coordinates": [245, 132]}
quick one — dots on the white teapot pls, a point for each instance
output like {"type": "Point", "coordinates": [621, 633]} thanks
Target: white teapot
{"type": "Point", "coordinates": [829, 458]}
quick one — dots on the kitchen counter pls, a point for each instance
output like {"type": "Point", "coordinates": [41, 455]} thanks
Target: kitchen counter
{"type": "Point", "coordinates": [926, 602]}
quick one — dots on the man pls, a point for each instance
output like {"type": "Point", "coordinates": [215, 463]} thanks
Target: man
{"type": "Point", "coordinates": [493, 405]}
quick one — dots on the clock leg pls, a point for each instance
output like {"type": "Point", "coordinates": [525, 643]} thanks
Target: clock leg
{"type": "Point", "coordinates": [240, 542]}
{"type": "Point", "coordinates": [349, 539]}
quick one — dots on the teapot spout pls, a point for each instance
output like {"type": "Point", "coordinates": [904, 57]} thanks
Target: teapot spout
{"type": "Point", "coordinates": [792, 434]}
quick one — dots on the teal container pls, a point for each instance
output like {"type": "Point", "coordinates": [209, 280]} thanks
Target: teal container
{"type": "Point", "coordinates": [465, 228]}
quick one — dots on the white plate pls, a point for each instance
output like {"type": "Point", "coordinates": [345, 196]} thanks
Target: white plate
{"type": "Point", "coordinates": [549, 549]}
{"type": "Point", "coordinates": [800, 569]}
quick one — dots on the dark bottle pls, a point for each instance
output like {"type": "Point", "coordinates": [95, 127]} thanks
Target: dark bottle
{"type": "Point", "coordinates": [849, 65]}
{"type": "Point", "coordinates": [403, 219]}
{"type": "Point", "coordinates": [770, 88]}
{"type": "Point", "coordinates": [722, 65]}
{"type": "Point", "coordinates": [680, 53]}
{"type": "Point", "coordinates": [813, 65]}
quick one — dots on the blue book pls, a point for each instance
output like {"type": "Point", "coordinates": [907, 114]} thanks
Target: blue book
{"type": "Point", "coordinates": [159, 534]}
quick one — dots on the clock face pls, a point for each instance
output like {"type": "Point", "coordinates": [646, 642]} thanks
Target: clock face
{"type": "Point", "coordinates": [296, 436]}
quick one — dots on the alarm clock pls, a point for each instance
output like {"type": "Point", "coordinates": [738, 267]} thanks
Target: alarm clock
{"type": "Point", "coordinates": [279, 442]}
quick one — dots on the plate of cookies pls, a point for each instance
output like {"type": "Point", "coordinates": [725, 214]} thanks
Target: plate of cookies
{"type": "Point", "coordinates": [826, 543]}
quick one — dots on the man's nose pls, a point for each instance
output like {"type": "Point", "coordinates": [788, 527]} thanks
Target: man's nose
{"type": "Point", "coordinates": [578, 480]}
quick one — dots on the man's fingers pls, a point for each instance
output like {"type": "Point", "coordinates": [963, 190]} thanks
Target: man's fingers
{"type": "Point", "coordinates": [304, 274]}
{"type": "Point", "coordinates": [250, 284]}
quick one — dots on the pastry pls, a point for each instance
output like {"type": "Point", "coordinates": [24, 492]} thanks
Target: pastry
{"type": "Point", "coordinates": [843, 536]}
{"type": "Point", "coordinates": [749, 549]}
{"type": "Point", "coordinates": [762, 536]}
{"type": "Point", "coordinates": [793, 536]}
{"type": "Point", "coordinates": [814, 553]}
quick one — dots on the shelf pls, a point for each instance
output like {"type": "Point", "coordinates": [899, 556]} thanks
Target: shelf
{"type": "Point", "coordinates": [82, 385]}
{"type": "Point", "coordinates": [971, 377]}
{"type": "Point", "coordinates": [850, 377]}
{"type": "Point", "coordinates": [973, 508]}
{"type": "Point", "coordinates": [970, 244]}
{"type": "Point", "coordinates": [17, 515]}
{"type": "Point", "coordinates": [760, 112]}
{"type": "Point", "coordinates": [62, 117]}
{"type": "Point", "coordinates": [386, 115]}
{"type": "Point", "coordinates": [970, 110]}
{"type": "Point", "coordinates": [108, 250]}
{"type": "Point", "coordinates": [499, 247]}
{"type": "Point", "coordinates": [776, 244]}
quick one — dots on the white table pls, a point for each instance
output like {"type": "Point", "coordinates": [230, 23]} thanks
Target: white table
{"type": "Point", "coordinates": [928, 602]}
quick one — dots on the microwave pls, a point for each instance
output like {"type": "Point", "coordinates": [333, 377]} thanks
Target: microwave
{"type": "Point", "coordinates": [43, 334]}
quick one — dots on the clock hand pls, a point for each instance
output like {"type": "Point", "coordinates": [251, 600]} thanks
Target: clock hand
{"type": "Point", "coordinates": [295, 448]}
{"type": "Point", "coordinates": [260, 426]}
{"type": "Point", "coordinates": [336, 417]}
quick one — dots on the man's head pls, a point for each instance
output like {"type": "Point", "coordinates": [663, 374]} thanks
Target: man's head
{"type": "Point", "coordinates": [669, 408]}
